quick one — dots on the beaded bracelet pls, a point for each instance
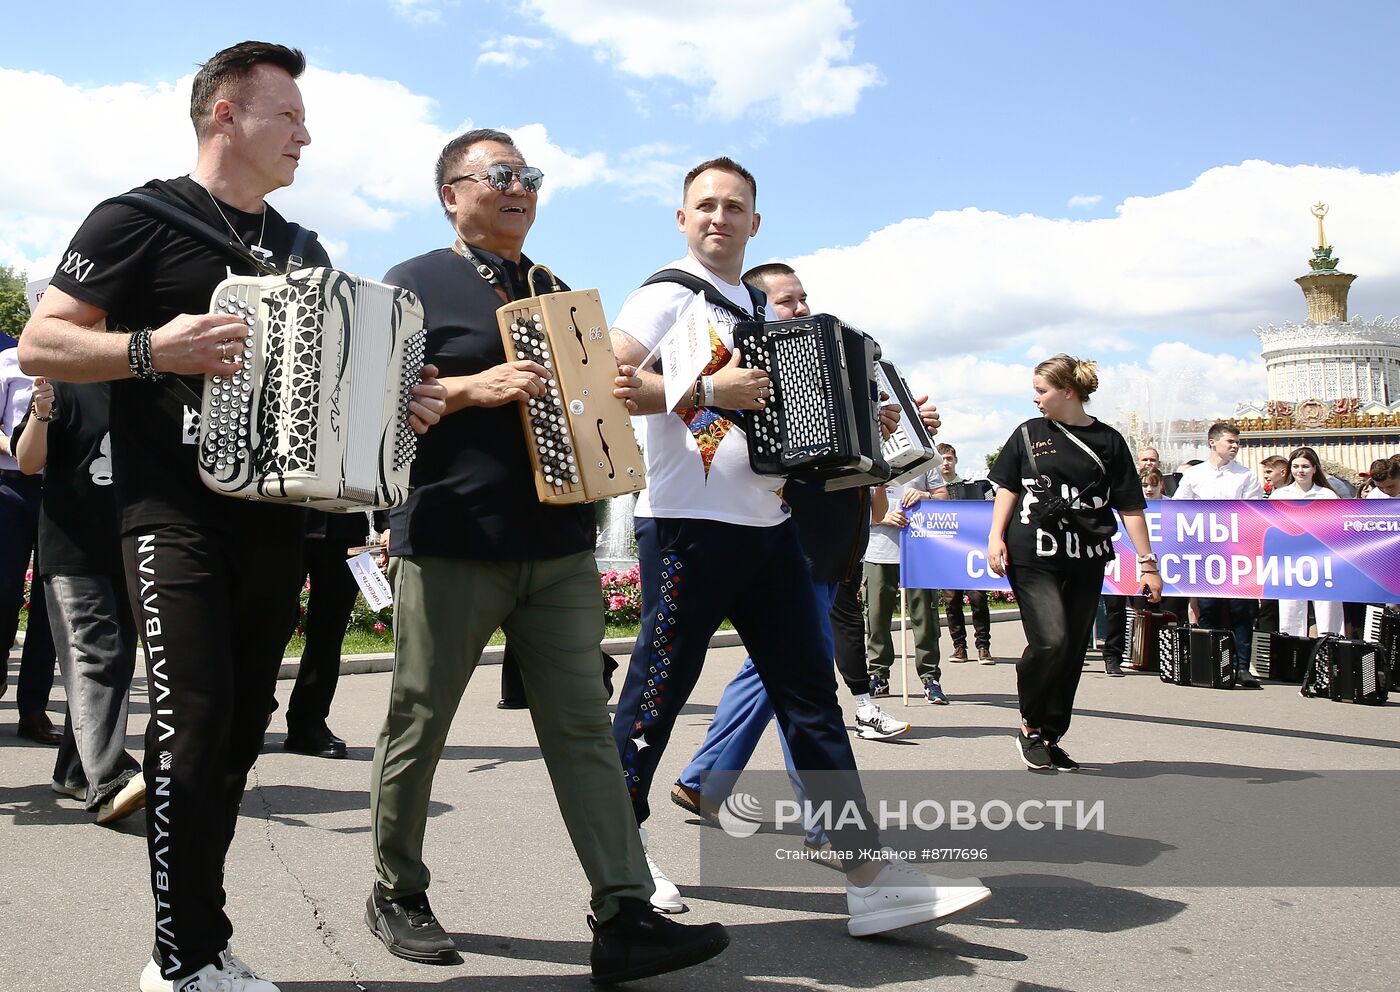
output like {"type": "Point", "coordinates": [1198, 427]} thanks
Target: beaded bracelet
{"type": "Point", "coordinates": [138, 356]}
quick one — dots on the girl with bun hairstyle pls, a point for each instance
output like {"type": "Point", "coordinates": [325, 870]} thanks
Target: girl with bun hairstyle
{"type": "Point", "coordinates": [1309, 482]}
{"type": "Point", "coordinates": [1061, 476]}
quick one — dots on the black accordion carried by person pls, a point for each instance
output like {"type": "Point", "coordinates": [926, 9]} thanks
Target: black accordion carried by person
{"type": "Point", "coordinates": [909, 449]}
{"type": "Point", "coordinates": [1144, 639]}
{"type": "Point", "coordinates": [1347, 672]}
{"type": "Point", "coordinates": [1197, 656]}
{"type": "Point", "coordinates": [822, 422]}
{"type": "Point", "coordinates": [318, 413]}
{"type": "Point", "coordinates": [579, 435]}
{"type": "Point", "coordinates": [1280, 657]}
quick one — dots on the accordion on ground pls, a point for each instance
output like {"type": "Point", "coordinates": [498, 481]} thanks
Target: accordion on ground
{"type": "Point", "coordinates": [823, 420]}
{"type": "Point", "coordinates": [1280, 657]}
{"type": "Point", "coordinates": [1347, 672]}
{"type": "Point", "coordinates": [1197, 656]}
{"type": "Point", "coordinates": [579, 435]}
{"type": "Point", "coordinates": [1143, 638]}
{"type": "Point", "coordinates": [909, 448]}
{"type": "Point", "coordinates": [318, 414]}
{"type": "Point", "coordinates": [1383, 630]}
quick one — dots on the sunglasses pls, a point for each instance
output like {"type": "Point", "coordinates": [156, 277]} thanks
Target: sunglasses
{"type": "Point", "coordinates": [499, 177]}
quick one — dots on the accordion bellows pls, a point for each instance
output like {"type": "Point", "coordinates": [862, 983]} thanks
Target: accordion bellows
{"type": "Point", "coordinates": [318, 414]}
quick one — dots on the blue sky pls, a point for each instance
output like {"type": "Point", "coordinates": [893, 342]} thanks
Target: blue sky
{"type": "Point", "coordinates": [976, 185]}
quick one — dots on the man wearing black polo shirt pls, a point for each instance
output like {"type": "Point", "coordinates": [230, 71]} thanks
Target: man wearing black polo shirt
{"type": "Point", "coordinates": [213, 581]}
{"type": "Point", "coordinates": [477, 550]}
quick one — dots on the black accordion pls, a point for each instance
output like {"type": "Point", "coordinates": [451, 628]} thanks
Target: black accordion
{"type": "Point", "coordinates": [1383, 630]}
{"type": "Point", "coordinates": [1281, 657]}
{"type": "Point", "coordinates": [1144, 639]}
{"type": "Point", "coordinates": [822, 423]}
{"type": "Point", "coordinates": [1197, 656]}
{"type": "Point", "coordinates": [1348, 672]}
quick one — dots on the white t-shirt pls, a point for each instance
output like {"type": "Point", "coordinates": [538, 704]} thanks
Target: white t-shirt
{"type": "Point", "coordinates": [1231, 481]}
{"type": "Point", "coordinates": [1377, 494]}
{"type": "Point", "coordinates": [1292, 491]}
{"type": "Point", "coordinates": [697, 469]}
{"type": "Point", "coordinates": [883, 548]}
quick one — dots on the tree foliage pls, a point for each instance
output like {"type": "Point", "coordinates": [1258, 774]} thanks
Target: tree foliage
{"type": "Point", "coordinates": [992, 456]}
{"type": "Point", "coordinates": [14, 308]}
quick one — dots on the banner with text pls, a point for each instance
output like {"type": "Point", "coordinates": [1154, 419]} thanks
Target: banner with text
{"type": "Point", "coordinates": [1344, 550]}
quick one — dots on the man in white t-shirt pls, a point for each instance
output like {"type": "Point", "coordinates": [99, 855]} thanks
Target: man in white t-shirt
{"type": "Point", "coordinates": [1221, 477]}
{"type": "Point", "coordinates": [715, 541]}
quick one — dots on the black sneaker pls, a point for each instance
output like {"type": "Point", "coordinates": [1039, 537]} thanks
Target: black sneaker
{"type": "Point", "coordinates": [639, 942]}
{"type": "Point", "coordinates": [409, 929]}
{"type": "Point", "coordinates": [1063, 762]}
{"type": "Point", "coordinates": [879, 686]}
{"type": "Point", "coordinates": [1031, 750]}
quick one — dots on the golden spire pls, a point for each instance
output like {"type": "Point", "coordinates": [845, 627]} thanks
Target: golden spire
{"type": "Point", "coordinates": [1319, 210]}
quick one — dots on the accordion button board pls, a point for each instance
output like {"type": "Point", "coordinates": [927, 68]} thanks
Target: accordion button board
{"type": "Point", "coordinates": [1280, 657]}
{"type": "Point", "coordinates": [909, 449]}
{"type": "Point", "coordinates": [318, 412]}
{"type": "Point", "coordinates": [1196, 656]}
{"type": "Point", "coordinates": [814, 426]}
{"type": "Point", "coordinates": [579, 435]}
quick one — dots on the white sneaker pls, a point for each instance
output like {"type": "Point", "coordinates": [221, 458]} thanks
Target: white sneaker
{"type": "Point", "coordinates": [125, 801]}
{"type": "Point", "coordinates": [666, 898]}
{"type": "Point", "coordinates": [78, 792]}
{"type": "Point", "coordinates": [901, 896]}
{"type": "Point", "coordinates": [221, 978]}
{"type": "Point", "coordinates": [151, 981]}
{"type": "Point", "coordinates": [874, 724]}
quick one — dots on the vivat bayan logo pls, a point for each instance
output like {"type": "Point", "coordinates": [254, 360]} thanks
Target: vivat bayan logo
{"type": "Point", "coordinates": [741, 815]}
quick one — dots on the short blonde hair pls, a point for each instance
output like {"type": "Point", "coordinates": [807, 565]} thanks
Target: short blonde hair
{"type": "Point", "coordinates": [1067, 372]}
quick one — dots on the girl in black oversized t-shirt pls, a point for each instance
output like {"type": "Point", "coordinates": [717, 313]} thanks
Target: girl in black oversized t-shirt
{"type": "Point", "coordinates": [1061, 476]}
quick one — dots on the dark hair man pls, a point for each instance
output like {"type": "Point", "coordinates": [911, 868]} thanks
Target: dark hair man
{"type": "Point", "coordinates": [477, 550]}
{"type": "Point", "coordinates": [1221, 477]}
{"type": "Point", "coordinates": [198, 565]}
{"type": "Point", "coordinates": [714, 540]}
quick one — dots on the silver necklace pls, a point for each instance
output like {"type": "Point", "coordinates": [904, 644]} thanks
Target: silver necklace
{"type": "Point", "coordinates": [257, 249]}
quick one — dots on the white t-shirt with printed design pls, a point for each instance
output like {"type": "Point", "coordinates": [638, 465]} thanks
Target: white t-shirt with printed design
{"type": "Point", "coordinates": [697, 470]}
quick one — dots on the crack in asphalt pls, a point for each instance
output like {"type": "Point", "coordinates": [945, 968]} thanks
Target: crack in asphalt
{"type": "Point", "coordinates": [323, 926]}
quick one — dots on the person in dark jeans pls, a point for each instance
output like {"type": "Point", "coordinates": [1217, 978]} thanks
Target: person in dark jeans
{"type": "Point", "coordinates": [976, 599]}
{"type": "Point", "coordinates": [1061, 475]}
{"type": "Point", "coordinates": [65, 436]}
{"type": "Point", "coordinates": [328, 607]}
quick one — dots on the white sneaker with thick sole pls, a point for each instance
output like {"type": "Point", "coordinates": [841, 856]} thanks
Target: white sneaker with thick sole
{"type": "Point", "coordinates": [874, 724]}
{"type": "Point", "coordinates": [232, 964]}
{"type": "Point", "coordinates": [78, 792]}
{"type": "Point", "coordinates": [666, 898]}
{"type": "Point", "coordinates": [125, 801]}
{"type": "Point", "coordinates": [901, 896]}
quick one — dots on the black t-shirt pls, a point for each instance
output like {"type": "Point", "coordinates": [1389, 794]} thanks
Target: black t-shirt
{"type": "Point", "coordinates": [834, 527]}
{"type": "Point", "coordinates": [1074, 477]}
{"type": "Point", "coordinates": [143, 273]}
{"type": "Point", "coordinates": [473, 491]}
{"type": "Point", "coordinates": [78, 514]}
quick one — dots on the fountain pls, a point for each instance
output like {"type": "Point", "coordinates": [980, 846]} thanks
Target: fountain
{"type": "Point", "coordinates": [617, 544]}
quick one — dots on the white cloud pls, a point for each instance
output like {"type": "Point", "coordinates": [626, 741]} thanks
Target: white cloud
{"type": "Point", "coordinates": [791, 58]}
{"type": "Point", "coordinates": [369, 165]}
{"type": "Point", "coordinates": [417, 11]}
{"type": "Point", "coordinates": [1081, 200]}
{"type": "Point", "coordinates": [510, 51]}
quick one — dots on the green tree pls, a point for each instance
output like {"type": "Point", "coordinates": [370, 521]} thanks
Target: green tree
{"type": "Point", "coordinates": [992, 457]}
{"type": "Point", "coordinates": [14, 308]}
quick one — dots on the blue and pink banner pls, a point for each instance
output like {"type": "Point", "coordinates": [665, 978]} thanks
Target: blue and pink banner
{"type": "Point", "coordinates": [1344, 550]}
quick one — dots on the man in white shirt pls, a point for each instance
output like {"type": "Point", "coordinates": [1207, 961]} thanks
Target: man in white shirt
{"type": "Point", "coordinates": [1221, 477]}
{"type": "Point", "coordinates": [714, 541]}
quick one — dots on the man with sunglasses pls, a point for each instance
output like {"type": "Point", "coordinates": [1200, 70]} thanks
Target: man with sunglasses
{"type": "Point", "coordinates": [477, 550]}
{"type": "Point", "coordinates": [715, 540]}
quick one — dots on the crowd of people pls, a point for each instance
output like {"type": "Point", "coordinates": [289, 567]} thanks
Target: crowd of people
{"type": "Point", "coordinates": [133, 552]}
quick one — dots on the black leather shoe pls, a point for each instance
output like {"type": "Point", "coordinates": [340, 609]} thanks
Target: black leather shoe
{"type": "Point", "coordinates": [38, 728]}
{"type": "Point", "coordinates": [1245, 682]}
{"type": "Point", "coordinates": [409, 929]}
{"type": "Point", "coordinates": [319, 743]}
{"type": "Point", "coordinates": [639, 942]}
{"type": "Point", "coordinates": [512, 703]}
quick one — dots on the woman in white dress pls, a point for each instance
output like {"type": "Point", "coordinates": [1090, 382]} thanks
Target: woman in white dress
{"type": "Point", "coordinates": [1309, 482]}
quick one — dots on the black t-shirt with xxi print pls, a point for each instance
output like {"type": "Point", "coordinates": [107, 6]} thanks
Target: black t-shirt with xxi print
{"type": "Point", "coordinates": [1063, 469]}
{"type": "Point", "coordinates": [143, 273]}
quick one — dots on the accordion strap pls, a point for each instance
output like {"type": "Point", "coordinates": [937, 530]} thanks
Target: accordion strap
{"type": "Point", "coordinates": [704, 287]}
{"type": "Point", "coordinates": [183, 220]}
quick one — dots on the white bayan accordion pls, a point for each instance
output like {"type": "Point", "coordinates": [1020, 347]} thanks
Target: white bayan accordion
{"type": "Point", "coordinates": [318, 414]}
{"type": "Point", "coordinates": [909, 449]}
{"type": "Point", "coordinates": [579, 435]}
